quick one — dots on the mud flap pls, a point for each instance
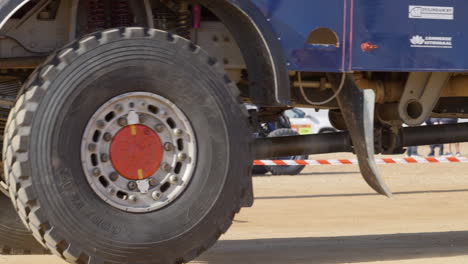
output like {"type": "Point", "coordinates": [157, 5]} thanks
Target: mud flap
{"type": "Point", "coordinates": [357, 107]}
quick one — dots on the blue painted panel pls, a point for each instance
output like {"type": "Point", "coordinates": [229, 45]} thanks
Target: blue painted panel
{"type": "Point", "coordinates": [293, 20]}
{"type": "Point", "coordinates": [387, 24]}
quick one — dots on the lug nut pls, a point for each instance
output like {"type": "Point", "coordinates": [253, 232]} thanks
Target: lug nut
{"type": "Point", "coordinates": [168, 146]}
{"type": "Point", "coordinates": [173, 179]}
{"type": "Point", "coordinates": [107, 137]}
{"type": "Point", "coordinates": [104, 157]}
{"type": "Point", "coordinates": [113, 176]}
{"type": "Point", "coordinates": [178, 132]}
{"type": "Point", "coordinates": [142, 118]}
{"type": "Point", "coordinates": [119, 108]}
{"type": "Point", "coordinates": [166, 167]}
{"type": "Point", "coordinates": [156, 195]}
{"type": "Point", "coordinates": [100, 123]}
{"type": "Point", "coordinates": [153, 181]}
{"type": "Point", "coordinates": [159, 128]}
{"type": "Point", "coordinates": [182, 156]}
{"type": "Point", "coordinates": [111, 191]}
{"type": "Point", "coordinates": [132, 185]}
{"type": "Point", "coordinates": [122, 121]}
{"type": "Point", "coordinates": [132, 198]}
{"type": "Point", "coordinates": [96, 172]}
{"type": "Point", "coordinates": [92, 147]}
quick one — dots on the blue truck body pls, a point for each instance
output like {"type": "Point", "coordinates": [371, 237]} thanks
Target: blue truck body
{"type": "Point", "coordinates": [390, 25]}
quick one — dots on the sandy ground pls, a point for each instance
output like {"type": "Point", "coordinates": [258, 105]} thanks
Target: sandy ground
{"type": "Point", "coordinates": [329, 215]}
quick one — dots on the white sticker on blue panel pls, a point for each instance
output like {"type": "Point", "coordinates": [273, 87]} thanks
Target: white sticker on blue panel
{"type": "Point", "coordinates": [431, 12]}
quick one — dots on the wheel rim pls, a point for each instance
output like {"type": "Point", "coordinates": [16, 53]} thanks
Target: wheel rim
{"type": "Point", "coordinates": [138, 152]}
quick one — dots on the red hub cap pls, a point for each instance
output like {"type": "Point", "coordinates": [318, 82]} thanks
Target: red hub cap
{"type": "Point", "coordinates": [136, 152]}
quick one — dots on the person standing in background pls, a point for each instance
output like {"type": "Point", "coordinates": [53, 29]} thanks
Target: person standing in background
{"type": "Point", "coordinates": [456, 146]}
{"type": "Point", "coordinates": [435, 121]}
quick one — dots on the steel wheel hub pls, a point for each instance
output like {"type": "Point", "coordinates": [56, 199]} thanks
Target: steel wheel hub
{"type": "Point", "coordinates": [138, 152]}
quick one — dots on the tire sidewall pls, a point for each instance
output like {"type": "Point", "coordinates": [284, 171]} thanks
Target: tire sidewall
{"type": "Point", "coordinates": [200, 91]}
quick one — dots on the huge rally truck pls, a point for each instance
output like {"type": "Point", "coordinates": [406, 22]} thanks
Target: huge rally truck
{"type": "Point", "coordinates": [126, 133]}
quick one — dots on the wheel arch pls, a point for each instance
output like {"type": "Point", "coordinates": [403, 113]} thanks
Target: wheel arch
{"type": "Point", "coordinates": [260, 47]}
{"type": "Point", "coordinates": [8, 8]}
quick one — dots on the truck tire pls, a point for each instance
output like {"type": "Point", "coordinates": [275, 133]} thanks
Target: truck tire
{"type": "Point", "coordinates": [287, 169]}
{"type": "Point", "coordinates": [15, 239]}
{"type": "Point", "coordinates": [129, 146]}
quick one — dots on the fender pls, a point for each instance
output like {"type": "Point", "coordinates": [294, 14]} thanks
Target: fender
{"type": "Point", "coordinates": [267, 69]}
{"type": "Point", "coordinates": [8, 8]}
{"type": "Point", "coordinates": [260, 46]}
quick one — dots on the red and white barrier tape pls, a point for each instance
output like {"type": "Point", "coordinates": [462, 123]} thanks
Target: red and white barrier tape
{"type": "Point", "coordinates": [354, 161]}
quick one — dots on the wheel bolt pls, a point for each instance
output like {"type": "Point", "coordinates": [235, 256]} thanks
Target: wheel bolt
{"type": "Point", "coordinates": [178, 132]}
{"type": "Point", "coordinates": [122, 121]}
{"type": "Point", "coordinates": [119, 108]}
{"type": "Point", "coordinates": [104, 157]}
{"type": "Point", "coordinates": [100, 123]}
{"type": "Point", "coordinates": [166, 167]}
{"type": "Point", "coordinates": [168, 146]}
{"type": "Point", "coordinates": [107, 137]}
{"type": "Point", "coordinates": [96, 172]}
{"type": "Point", "coordinates": [132, 198]}
{"type": "Point", "coordinates": [111, 191]}
{"type": "Point", "coordinates": [92, 147]}
{"type": "Point", "coordinates": [132, 185]}
{"type": "Point", "coordinates": [173, 179]}
{"type": "Point", "coordinates": [113, 176]}
{"type": "Point", "coordinates": [182, 156]}
{"type": "Point", "coordinates": [156, 195]}
{"type": "Point", "coordinates": [159, 128]}
{"type": "Point", "coordinates": [153, 182]}
{"type": "Point", "coordinates": [142, 118]}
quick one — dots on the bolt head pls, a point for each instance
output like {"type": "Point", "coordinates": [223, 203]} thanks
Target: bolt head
{"type": "Point", "coordinates": [100, 123]}
{"type": "Point", "coordinates": [132, 185]}
{"type": "Point", "coordinates": [178, 132]}
{"type": "Point", "coordinates": [153, 181]}
{"type": "Point", "coordinates": [159, 128]}
{"type": "Point", "coordinates": [156, 195]}
{"type": "Point", "coordinates": [166, 167]}
{"type": "Point", "coordinates": [142, 118]}
{"type": "Point", "coordinates": [174, 179]}
{"type": "Point", "coordinates": [132, 198]}
{"type": "Point", "coordinates": [104, 157]}
{"type": "Point", "coordinates": [119, 108]}
{"type": "Point", "coordinates": [96, 172]}
{"type": "Point", "coordinates": [92, 147]}
{"type": "Point", "coordinates": [107, 137]}
{"type": "Point", "coordinates": [111, 190]}
{"type": "Point", "coordinates": [114, 176]}
{"type": "Point", "coordinates": [122, 121]}
{"type": "Point", "coordinates": [168, 146]}
{"type": "Point", "coordinates": [182, 156]}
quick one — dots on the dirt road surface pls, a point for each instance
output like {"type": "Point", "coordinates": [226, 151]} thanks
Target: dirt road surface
{"type": "Point", "coordinates": [329, 215]}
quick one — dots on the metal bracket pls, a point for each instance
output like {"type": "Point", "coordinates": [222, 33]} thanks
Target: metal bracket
{"type": "Point", "coordinates": [357, 107]}
{"type": "Point", "coordinates": [421, 94]}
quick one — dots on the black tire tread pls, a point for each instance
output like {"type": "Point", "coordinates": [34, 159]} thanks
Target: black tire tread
{"type": "Point", "coordinates": [15, 239]}
{"type": "Point", "coordinates": [19, 130]}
